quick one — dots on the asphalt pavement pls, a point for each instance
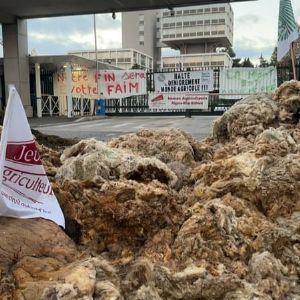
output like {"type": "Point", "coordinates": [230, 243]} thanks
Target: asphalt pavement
{"type": "Point", "coordinates": [106, 128]}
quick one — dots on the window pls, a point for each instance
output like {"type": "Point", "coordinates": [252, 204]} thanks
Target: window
{"type": "Point", "coordinates": [207, 10]}
{"type": "Point", "coordinates": [207, 22]}
{"type": "Point", "coordinates": [166, 14]}
{"type": "Point", "coordinates": [172, 35]}
{"type": "Point", "coordinates": [141, 22]}
{"type": "Point", "coordinates": [200, 11]}
{"type": "Point", "coordinates": [186, 23]}
{"type": "Point", "coordinates": [200, 33]}
{"type": "Point", "coordinates": [222, 9]}
{"type": "Point", "coordinates": [206, 33]}
{"type": "Point", "coordinates": [141, 32]}
{"type": "Point", "coordinates": [214, 9]}
{"type": "Point", "coordinates": [142, 43]}
{"type": "Point", "coordinates": [221, 32]}
{"type": "Point", "coordinates": [178, 35]}
{"type": "Point", "coordinates": [193, 34]}
{"type": "Point", "coordinates": [200, 22]}
{"type": "Point", "coordinates": [172, 25]}
{"type": "Point", "coordinates": [215, 21]}
{"type": "Point", "coordinates": [179, 12]}
{"type": "Point", "coordinates": [192, 11]}
{"type": "Point", "coordinates": [166, 25]}
{"type": "Point", "coordinates": [165, 36]}
{"type": "Point", "coordinates": [222, 21]}
{"type": "Point", "coordinates": [193, 23]}
{"type": "Point", "coordinates": [186, 12]}
{"type": "Point", "coordinates": [186, 34]}
{"type": "Point", "coordinates": [179, 24]}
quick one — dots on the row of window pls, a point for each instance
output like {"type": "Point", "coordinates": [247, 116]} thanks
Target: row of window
{"type": "Point", "coordinates": [194, 23]}
{"type": "Point", "coordinates": [113, 60]}
{"type": "Point", "coordinates": [195, 11]}
{"type": "Point", "coordinates": [194, 64]}
{"type": "Point", "coordinates": [193, 34]}
{"type": "Point", "coordinates": [123, 60]}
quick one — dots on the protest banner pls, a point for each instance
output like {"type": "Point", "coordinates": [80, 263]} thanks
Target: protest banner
{"type": "Point", "coordinates": [239, 82]}
{"type": "Point", "coordinates": [178, 101]}
{"type": "Point", "coordinates": [25, 191]}
{"type": "Point", "coordinates": [184, 82]}
{"type": "Point", "coordinates": [112, 83]}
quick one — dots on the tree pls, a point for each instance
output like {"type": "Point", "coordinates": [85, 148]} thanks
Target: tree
{"type": "Point", "coordinates": [247, 63]}
{"type": "Point", "coordinates": [262, 62]}
{"type": "Point", "coordinates": [236, 63]}
{"type": "Point", "coordinates": [273, 59]}
{"type": "Point", "coordinates": [230, 51]}
{"type": "Point", "coordinates": [136, 67]}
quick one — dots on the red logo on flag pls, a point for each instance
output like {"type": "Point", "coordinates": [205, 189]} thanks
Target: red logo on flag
{"type": "Point", "coordinates": [23, 153]}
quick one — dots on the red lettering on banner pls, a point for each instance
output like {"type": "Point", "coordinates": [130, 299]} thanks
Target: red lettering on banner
{"type": "Point", "coordinates": [109, 77]}
{"type": "Point", "coordinates": [23, 153]}
{"type": "Point", "coordinates": [123, 89]}
{"type": "Point", "coordinates": [134, 86]}
{"type": "Point", "coordinates": [133, 75]}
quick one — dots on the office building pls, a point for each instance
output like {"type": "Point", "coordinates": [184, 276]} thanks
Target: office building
{"type": "Point", "coordinates": [197, 32]}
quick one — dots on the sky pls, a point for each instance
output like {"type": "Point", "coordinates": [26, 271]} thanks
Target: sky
{"type": "Point", "coordinates": [255, 31]}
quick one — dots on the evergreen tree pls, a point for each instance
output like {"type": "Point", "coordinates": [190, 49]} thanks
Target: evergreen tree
{"type": "Point", "coordinates": [236, 63]}
{"type": "Point", "coordinates": [273, 60]}
{"type": "Point", "coordinates": [247, 63]}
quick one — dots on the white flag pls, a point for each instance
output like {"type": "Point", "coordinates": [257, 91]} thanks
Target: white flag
{"type": "Point", "coordinates": [287, 28]}
{"type": "Point", "coordinates": [25, 191]}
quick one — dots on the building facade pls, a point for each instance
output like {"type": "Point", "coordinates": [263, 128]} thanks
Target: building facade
{"type": "Point", "coordinates": [197, 32]}
{"type": "Point", "coordinates": [120, 58]}
{"type": "Point", "coordinates": [139, 31]}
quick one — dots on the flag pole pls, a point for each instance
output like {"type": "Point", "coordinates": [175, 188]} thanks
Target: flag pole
{"type": "Point", "coordinates": [293, 60]}
{"type": "Point", "coordinates": [96, 58]}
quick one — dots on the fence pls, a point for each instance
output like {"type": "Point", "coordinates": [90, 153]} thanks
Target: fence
{"type": "Point", "coordinates": [137, 105]}
{"type": "Point", "coordinates": [54, 106]}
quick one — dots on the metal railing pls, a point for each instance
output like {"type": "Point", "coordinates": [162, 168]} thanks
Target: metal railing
{"type": "Point", "coordinates": [50, 105]}
{"type": "Point", "coordinates": [54, 106]}
{"type": "Point", "coordinates": [82, 106]}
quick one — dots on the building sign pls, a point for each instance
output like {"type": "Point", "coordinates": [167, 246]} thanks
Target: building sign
{"type": "Point", "coordinates": [112, 83]}
{"type": "Point", "coordinates": [178, 101]}
{"type": "Point", "coordinates": [184, 82]}
{"type": "Point", "coordinates": [238, 82]}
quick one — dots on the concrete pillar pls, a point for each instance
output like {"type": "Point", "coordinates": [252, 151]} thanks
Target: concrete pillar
{"type": "Point", "coordinates": [69, 89]}
{"type": "Point", "coordinates": [16, 61]}
{"type": "Point", "coordinates": [38, 90]}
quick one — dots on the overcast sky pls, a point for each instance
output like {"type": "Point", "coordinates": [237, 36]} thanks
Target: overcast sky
{"type": "Point", "coordinates": [255, 30]}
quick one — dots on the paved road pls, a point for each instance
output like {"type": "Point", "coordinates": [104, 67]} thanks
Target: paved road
{"type": "Point", "coordinates": [106, 128]}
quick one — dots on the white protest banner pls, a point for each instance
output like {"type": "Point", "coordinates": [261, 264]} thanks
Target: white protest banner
{"type": "Point", "coordinates": [112, 83]}
{"type": "Point", "coordinates": [239, 82]}
{"type": "Point", "coordinates": [184, 82]}
{"type": "Point", "coordinates": [178, 101]}
{"type": "Point", "coordinates": [25, 191]}
{"type": "Point", "coordinates": [122, 84]}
